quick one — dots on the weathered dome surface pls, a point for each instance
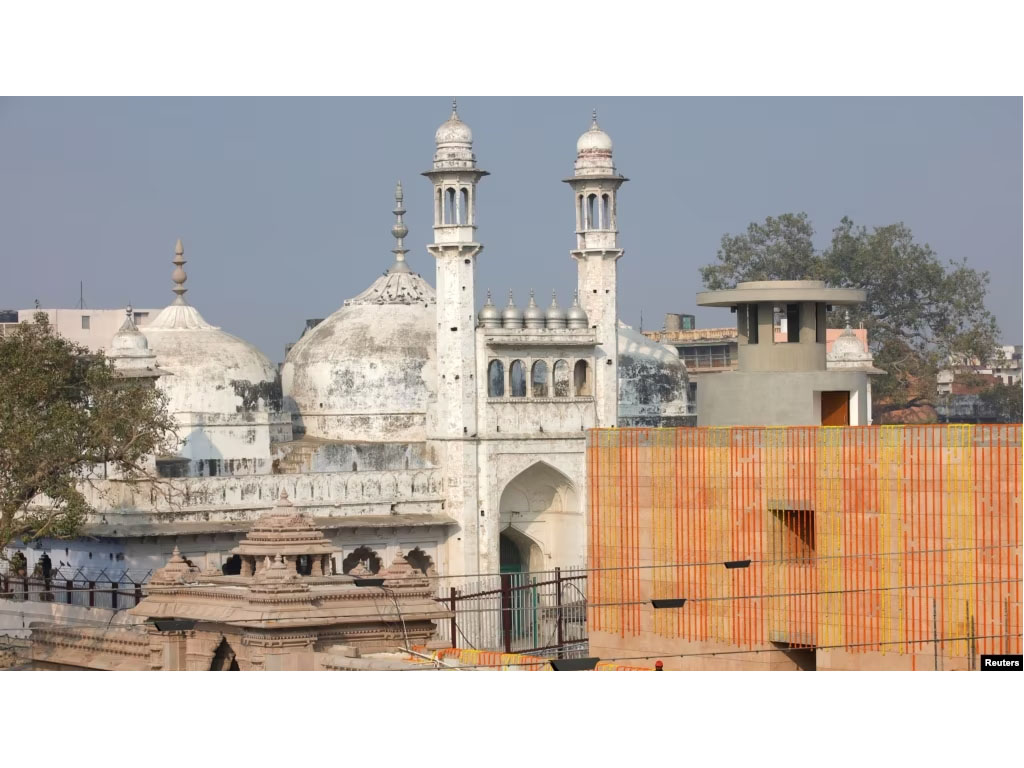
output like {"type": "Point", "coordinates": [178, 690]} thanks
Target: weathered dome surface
{"type": "Point", "coordinates": [594, 152]}
{"type": "Point", "coordinates": [368, 371]}
{"type": "Point", "coordinates": [453, 131]}
{"type": "Point", "coordinates": [653, 383]}
{"type": "Point", "coordinates": [594, 139]}
{"type": "Point", "coordinates": [213, 371]}
{"type": "Point", "coordinates": [848, 348]}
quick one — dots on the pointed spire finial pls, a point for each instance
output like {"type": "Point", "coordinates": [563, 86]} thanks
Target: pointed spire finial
{"type": "Point", "coordinates": [455, 108]}
{"type": "Point", "coordinates": [399, 230]}
{"type": "Point", "coordinates": [179, 276]}
{"type": "Point", "coordinates": [593, 123]}
{"type": "Point", "coordinates": [554, 298]}
{"type": "Point", "coordinates": [489, 296]}
{"type": "Point", "coordinates": [511, 301]}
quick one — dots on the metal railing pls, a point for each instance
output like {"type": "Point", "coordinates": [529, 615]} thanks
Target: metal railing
{"type": "Point", "coordinates": [539, 612]}
{"type": "Point", "coordinates": [113, 591]}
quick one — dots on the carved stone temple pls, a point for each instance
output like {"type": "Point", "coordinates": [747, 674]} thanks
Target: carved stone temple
{"type": "Point", "coordinates": [284, 610]}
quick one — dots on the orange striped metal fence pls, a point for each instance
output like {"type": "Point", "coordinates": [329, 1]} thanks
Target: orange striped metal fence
{"type": "Point", "coordinates": [865, 538]}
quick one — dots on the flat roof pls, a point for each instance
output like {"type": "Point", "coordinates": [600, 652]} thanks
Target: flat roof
{"type": "Point", "coordinates": [782, 291]}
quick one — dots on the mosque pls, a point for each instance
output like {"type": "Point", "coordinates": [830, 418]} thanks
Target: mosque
{"type": "Point", "coordinates": [409, 422]}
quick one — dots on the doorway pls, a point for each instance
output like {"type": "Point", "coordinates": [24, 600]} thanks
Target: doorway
{"type": "Point", "coordinates": [835, 409]}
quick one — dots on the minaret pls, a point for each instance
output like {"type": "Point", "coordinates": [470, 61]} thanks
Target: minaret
{"type": "Point", "coordinates": [595, 185]}
{"type": "Point", "coordinates": [455, 177]}
{"type": "Point", "coordinates": [455, 249]}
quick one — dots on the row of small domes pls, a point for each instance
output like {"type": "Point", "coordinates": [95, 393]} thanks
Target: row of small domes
{"type": "Point", "coordinates": [553, 318]}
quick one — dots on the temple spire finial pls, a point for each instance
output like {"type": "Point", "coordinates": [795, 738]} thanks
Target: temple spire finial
{"type": "Point", "coordinates": [593, 119]}
{"type": "Point", "coordinates": [455, 107]}
{"type": "Point", "coordinates": [178, 276]}
{"type": "Point", "coordinates": [399, 230]}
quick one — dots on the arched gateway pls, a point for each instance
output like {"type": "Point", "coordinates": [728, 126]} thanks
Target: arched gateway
{"type": "Point", "coordinates": [539, 521]}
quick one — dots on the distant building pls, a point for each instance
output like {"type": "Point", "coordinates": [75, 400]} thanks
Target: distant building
{"type": "Point", "coordinates": [92, 328]}
{"type": "Point", "coordinates": [707, 351]}
{"type": "Point", "coordinates": [1004, 367]}
{"type": "Point", "coordinates": [779, 367]}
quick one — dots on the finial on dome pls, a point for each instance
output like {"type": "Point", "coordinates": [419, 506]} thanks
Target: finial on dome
{"type": "Point", "coordinates": [179, 276]}
{"type": "Point", "coordinates": [399, 230]}
{"type": "Point", "coordinates": [455, 108]}
{"type": "Point", "coordinates": [128, 326]}
{"type": "Point", "coordinates": [593, 119]}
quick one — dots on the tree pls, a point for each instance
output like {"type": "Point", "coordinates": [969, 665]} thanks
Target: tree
{"type": "Point", "coordinates": [64, 415]}
{"type": "Point", "coordinates": [919, 312]}
{"type": "Point", "coordinates": [779, 249]}
{"type": "Point", "coordinates": [1004, 401]}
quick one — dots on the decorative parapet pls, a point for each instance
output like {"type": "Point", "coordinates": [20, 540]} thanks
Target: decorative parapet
{"type": "Point", "coordinates": [253, 494]}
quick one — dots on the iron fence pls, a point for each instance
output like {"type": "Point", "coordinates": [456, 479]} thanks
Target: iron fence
{"type": "Point", "coordinates": [112, 590]}
{"type": "Point", "coordinates": [539, 612]}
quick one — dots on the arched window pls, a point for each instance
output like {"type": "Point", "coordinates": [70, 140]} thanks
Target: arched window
{"type": "Point", "coordinates": [517, 379]}
{"type": "Point", "coordinates": [371, 560]}
{"type": "Point", "coordinates": [420, 560]}
{"type": "Point", "coordinates": [592, 212]}
{"type": "Point", "coordinates": [581, 379]}
{"type": "Point", "coordinates": [581, 217]}
{"type": "Point", "coordinates": [561, 377]}
{"type": "Point", "coordinates": [464, 209]}
{"type": "Point", "coordinates": [539, 379]}
{"type": "Point", "coordinates": [449, 206]}
{"type": "Point", "coordinates": [495, 379]}
{"type": "Point", "coordinates": [606, 212]}
{"type": "Point", "coordinates": [439, 207]}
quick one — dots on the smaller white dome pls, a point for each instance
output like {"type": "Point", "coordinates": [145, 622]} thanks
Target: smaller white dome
{"type": "Point", "coordinates": [129, 338]}
{"type": "Point", "coordinates": [594, 140]}
{"type": "Point", "coordinates": [453, 131]}
{"type": "Point", "coordinates": [847, 347]}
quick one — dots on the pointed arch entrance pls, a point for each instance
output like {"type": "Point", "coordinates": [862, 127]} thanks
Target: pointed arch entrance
{"type": "Point", "coordinates": [539, 511]}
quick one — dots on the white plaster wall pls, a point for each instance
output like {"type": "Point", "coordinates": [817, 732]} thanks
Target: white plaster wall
{"type": "Point", "coordinates": [597, 280]}
{"type": "Point", "coordinates": [16, 616]}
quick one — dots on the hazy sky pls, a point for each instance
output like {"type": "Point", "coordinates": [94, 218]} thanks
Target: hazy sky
{"type": "Point", "coordinates": [284, 205]}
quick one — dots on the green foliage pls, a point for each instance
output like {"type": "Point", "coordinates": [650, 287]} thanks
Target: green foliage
{"type": "Point", "coordinates": [1005, 401]}
{"type": "Point", "coordinates": [64, 416]}
{"type": "Point", "coordinates": [779, 249]}
{"type": "Point", "coordinates": [919, 312]}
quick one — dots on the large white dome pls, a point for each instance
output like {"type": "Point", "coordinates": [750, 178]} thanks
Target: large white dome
{"type": "Point", "coordinates": [213, 371]}
{"type": "Point", "coordinates": [653, 382]}
{"type": "Point", "coordinates": [368, 372]}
